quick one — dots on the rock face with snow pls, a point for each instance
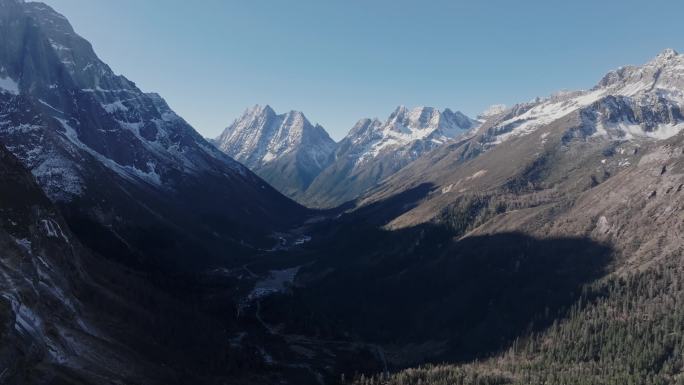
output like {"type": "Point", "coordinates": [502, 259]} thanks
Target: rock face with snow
{"type": "Point", "coordinates": [119, 161]}
{"type": "Point", "coordinates": [543, 154]}
{"type": "Point", "coordinates": [286, 150]}
{"type": "Point", "coordinates": [374, 150]}
{"type": "Point", "coordinates": [630, 102]}
{"type": "Point", "coordinates": [70, 316]}
{"type": "Point", "coordinates": [35, 274]}
{"type": "Point", "coordinates": [44, 322]}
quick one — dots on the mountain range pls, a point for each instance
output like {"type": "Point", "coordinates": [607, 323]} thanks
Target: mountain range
{"type": "Point", "coordinates": [577, 139]}
{"type": "Point", "coordinates": [538, 243]}
{"type": "Point", "coordinates": [302, 162]}
{"type": "Point", "coordinates": [522, 252]}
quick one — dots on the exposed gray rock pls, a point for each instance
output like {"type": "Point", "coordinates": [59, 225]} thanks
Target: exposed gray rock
{"type": "Point", "coordinates": [286, 150]}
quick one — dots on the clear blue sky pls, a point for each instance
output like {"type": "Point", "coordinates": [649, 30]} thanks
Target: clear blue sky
{"type": "Point", "coordinates": [338, 61]}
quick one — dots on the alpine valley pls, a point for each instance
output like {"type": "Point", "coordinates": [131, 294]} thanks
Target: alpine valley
{"type": "Point", "coordinates": [535, 244]}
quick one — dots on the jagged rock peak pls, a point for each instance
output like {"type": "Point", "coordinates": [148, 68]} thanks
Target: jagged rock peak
{"type": "Point", "coordinates": [667, 54]}
{"type": "Point", "coordinates": [260, 136]}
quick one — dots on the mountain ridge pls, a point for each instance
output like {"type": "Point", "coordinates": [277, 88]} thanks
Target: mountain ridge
{"type": "Point", "coordinates": [374, 150]}
{"type": "Point", "coordinates": [617, 113]}
{"type": "Point", "coordinates": [285, 149]}
{"type": "Point", "coordinates": [120, 160]}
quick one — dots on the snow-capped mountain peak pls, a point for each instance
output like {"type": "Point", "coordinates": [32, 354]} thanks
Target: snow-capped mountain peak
{"type": "Point", "coordinates": [286, 150]}
{"type": "Point", "coordinates": [493, 110]}
{"type": "Point", "coordinates": [667, 54]}
{"type": "Point", "coordinates": [256, 112]}
{"type": "Point", "coordinates": [665, 71]}
{"type": "Point", "coordinates": [373, 150]}
{"type": "Point", "coordinates": [629, 102]}
{"type": "Point", "coordinates": [427, 118]}
{"type": "Point", "coordinates": [260, 136]}
{"type": "Point", "coordinates": [79, 104]}
{"type": "Point", "coordinates": [406, 127]}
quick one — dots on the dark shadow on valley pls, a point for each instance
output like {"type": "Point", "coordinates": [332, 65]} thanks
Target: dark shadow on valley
{"type": "Point", "coordinates": [381, 211]}
{"type": "Point", "coordinates": [468, 298]}
{"type": "Point", "coordinates": [460, 299]}
{"type": "Point", "coordinates": [377, 213]}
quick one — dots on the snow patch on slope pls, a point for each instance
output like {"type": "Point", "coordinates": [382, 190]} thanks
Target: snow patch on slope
{"type": "Point", "coordinates": [9, 85]}
{"type": "Point", "coordinates": [128, 172]}
{"type": "Point", "coordinates": [546, 112]}
{"type": "Point", "coordinates": [629, 131]}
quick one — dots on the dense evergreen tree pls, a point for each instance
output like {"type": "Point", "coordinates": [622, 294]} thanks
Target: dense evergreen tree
{"type": "Point", "coordinates": [624, 329]}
